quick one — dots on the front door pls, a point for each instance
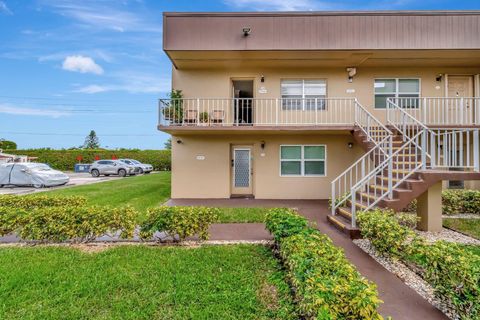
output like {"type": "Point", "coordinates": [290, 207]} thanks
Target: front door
{"type": "Point", "coordinates": [242, 172]}
{"type": "Point", "coordinates": [460, 87]}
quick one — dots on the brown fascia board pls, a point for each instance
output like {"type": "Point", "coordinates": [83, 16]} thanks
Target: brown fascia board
{"type": "Point", "coordinates": [325, 13]}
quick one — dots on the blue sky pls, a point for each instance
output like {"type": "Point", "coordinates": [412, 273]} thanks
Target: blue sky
{"type": "Point", "coordinates": [70, 66]}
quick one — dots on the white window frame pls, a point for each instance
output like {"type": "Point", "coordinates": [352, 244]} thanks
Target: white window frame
{"type": "Point", "coordinates": [397, 86]}
{"type": "Point", "coordinates": [303, 93]}
{"type": "Point", "coordinates": [302, 160]}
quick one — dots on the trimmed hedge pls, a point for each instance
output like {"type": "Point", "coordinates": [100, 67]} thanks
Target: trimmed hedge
{"type": "Point", "coordinates": [453, 272]}
{"type": "Point", "coordinates": [456, 202]}
{"type": "Point", "coordinates": [59, 224]}
{"type": "Point", "coordinates": [66, 159]}
{"type": "Point", "coordinates": [326, 284]}
{"type": "Point", "coordinates": [181, 222]}
{"type": "Point", "coordinates": [40, 201]}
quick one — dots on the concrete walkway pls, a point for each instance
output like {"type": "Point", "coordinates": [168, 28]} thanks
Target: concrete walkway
{"type": "Point", "coordinates": [400, 301]}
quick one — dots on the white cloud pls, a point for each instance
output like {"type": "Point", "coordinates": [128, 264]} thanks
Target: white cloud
{"type": "Point", "coordinates": [130, 82]}
{"type": "Point", "coordinates": [92, 89]}
{"type": "Point", "coordinates": [113, 15]}
{"type": "Point", "coordinates": [4, 9]}
{"type": "Point", "coordinates": [81, 64]}
{"type": "Point", "coordinates": [21, 111]}
{"type": "Point", "coordinates": [279, 5]}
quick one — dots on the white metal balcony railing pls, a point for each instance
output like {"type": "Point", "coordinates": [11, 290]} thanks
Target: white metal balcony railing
{"type": "Point", "coordinates": [433, 111]}
{"type": "Point", "coordinates": [258, 112]}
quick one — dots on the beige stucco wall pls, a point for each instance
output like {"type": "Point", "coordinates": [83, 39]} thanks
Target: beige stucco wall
{"type": "Point", "coordinates": [216, 83]}
{"type": "Point", "coordinates": [211, 177]}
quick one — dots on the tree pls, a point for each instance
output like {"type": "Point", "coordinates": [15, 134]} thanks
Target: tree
{"type": "Point", "coordinates": [6, 144]}
{"type": "Point", "coordinates": [91, 141]}
{"type": "Point", "coordinates": [168, 144]}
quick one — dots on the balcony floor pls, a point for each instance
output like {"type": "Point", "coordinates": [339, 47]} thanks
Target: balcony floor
{"type": "Point", "coordinates": [252, 129]}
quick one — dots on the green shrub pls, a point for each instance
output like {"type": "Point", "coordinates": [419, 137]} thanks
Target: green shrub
{"type": "Point", "coordinates": [453, 272]}
{"type": "Point", "coordinates": [66, 159]}
{"type": "Point", "coordinates": [452, 202]}
{"type": "Point", "coordinates": [470, 201]}
{"type": "Point", "coordinates": [181, 222]}
{"type": "Point", "coordinates": [284, 223]}
{"type": "Point", "coordinates": [385, 232]}
{"type": "Point", "coordinates": [58, 224]}
{"type": "Point", "coordinates": [455, 202]}
{"type": "Point", "coordinates": [327, 285]}
{"type": "Point", "coordinates": [10, 220]}
{"type": "Point", "coordinates": [40, 201]}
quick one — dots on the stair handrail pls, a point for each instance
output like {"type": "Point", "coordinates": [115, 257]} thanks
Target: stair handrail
{"type": "Point", "coordinates": [370, 122]}
{"type": "Point", "coordinates": [409, 126]}
{"type": "Point", "coordinates": [356, 172]}
{"type": "Point", "coordinates": [382, 148]}
{"type": "Point", "coordinates": [387, 166]}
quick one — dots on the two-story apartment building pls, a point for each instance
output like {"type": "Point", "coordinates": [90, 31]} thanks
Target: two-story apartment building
{"type": "Point", "coordinates": [367, 108]}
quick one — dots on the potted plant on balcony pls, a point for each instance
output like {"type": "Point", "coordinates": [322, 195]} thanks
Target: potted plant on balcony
{"type": "Point", "coordinates": [173, 108]}
{"type": "Point", "coordinates": [203, 118]}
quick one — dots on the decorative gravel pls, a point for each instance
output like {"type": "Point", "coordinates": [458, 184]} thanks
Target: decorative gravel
{"type": "Point", "coordinates": [411, 279]}
{"type": "Point", "coordinates": [108, 244]}
{"type": "Point", "coordinates": [448, 235]}
{"type": "Point", "coordinates": [462, 216]}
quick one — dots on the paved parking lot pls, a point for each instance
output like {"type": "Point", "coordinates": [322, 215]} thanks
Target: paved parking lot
{"type": "Point", "coordinates": [76, 179]}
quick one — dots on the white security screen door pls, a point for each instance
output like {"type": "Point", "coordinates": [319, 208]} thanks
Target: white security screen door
{"type": "Point", "coordinates": [241, 171]}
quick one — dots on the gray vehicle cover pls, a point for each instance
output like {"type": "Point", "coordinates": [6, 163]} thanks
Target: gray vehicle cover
{"type": "Point", "coordinates": [31, 174]}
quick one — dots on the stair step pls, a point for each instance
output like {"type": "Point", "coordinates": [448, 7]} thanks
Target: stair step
{"type": "Point", "coordinates": [345, 212]}
{"type": "Point", "coordinates": [396, 163]}
{"type": "Point", "coordinates": [374, 186]}
{"type": "Point", "coordinates": [403, 171]}
{"type": "Point", "coordinates": [344, 225]}
{"type": "Point", "coordinates": [398, 179]}
{"type": "Point", "coordinates": [359, 204]}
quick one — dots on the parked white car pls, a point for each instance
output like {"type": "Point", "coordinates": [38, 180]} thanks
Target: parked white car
{"type": "Point", "coordinates": [112, 167]}
{"type": "Point", "coordinates": [27, 174]}
{"type": "Point", "coordinates": [144, 167]}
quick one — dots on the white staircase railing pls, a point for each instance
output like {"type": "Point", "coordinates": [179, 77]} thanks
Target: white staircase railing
{"type": "Point", "coordinates": [381, 137]}
{"type": "Point", "coordinates": [373, 177]}
{"type": "Point", "coordinates": [441, 111]}
{"type": "Point", "coordinates": [381, 181]}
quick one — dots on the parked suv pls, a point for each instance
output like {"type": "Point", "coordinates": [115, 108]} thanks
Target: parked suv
{"type": "Point", "coordinates": [143, 167]}
{"type": "Point", "coordinates": [111, 167]}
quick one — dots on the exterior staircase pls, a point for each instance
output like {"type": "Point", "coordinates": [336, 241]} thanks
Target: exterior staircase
{"type": "Point", "coordinates": [401, 162]}
{"type": "Point", "coordinates": [402, 195]}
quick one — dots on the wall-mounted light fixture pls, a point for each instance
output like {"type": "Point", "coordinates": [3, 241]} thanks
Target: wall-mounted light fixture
{"type": "Point", "coordinates": [262, 78]}
{"type": "Point", "coordinates": [262, 144]}
{"type": "Point", "coordinates": [439, 78]}
{"type": "Point", "coordinates": [179, 141]}
{"type": "Point", "coordinates": [246, 31]}
{"type": "Point", "coordinates": [352, 71]}
{"type": "Point", "coordinates": [350, 145]}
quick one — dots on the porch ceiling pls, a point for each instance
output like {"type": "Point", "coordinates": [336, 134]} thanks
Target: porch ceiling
{"type": "Point", "coordinates": [325, 58]}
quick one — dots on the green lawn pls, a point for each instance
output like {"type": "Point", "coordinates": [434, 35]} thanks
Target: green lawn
{"type": "Point", "coordinates": [242, 214]}
{"type": "Point", "coordinates": [467, 226]}
{"type": "Point", "coordinates": [141, 192]}
{"type": "Point", "coordinates": [139, 282]}
{"type": "Point", "coordinates": [148, 191]}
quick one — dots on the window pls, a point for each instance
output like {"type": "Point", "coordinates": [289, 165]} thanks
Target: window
{"type": "Point", "coordinates": [397, 88]}
{"type": "Point", "coordinates": [298, 160]}
{"type": "Point", "coordinates": [303, 94]}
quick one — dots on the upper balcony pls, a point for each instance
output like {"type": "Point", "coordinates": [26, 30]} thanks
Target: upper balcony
{"type": "Point", "coordinates": [251, 114]}
{"type": "Point", "coordinates": [257, 114]}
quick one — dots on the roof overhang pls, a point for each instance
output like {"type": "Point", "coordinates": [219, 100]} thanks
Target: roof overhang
{"type": "Point", "coordinates": [375, 38]}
